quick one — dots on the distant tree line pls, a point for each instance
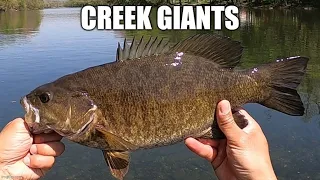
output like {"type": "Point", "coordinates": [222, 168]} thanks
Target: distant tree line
{"type": "Point", "coordinates": [39, 4]}
{"type": "Point", "coordinates": [280, 2]}
{"type": "Point", "coordinates": [80, 3]}
{"type": "Point", "coordinates": [21, 4]}
{"type": "Point", "coordinates": [273, 3]}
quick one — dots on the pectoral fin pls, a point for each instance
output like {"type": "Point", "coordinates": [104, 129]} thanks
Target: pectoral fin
{"type": "Point", "coordinates": [115, 142]}
{"type": "Point", "coordinates": [118, 163]}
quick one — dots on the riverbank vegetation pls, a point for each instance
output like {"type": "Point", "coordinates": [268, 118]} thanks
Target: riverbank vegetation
{"type": "Point", "coordinates": [39, 4]}
{"type": "Point", "coordinates": [54, 3]}
{"type": "Point", "coordinates": [21, 4]}
{"type": "Point", "coordinates": [250, 3]}
{"type": "Point", "coordinates": [282, 3]}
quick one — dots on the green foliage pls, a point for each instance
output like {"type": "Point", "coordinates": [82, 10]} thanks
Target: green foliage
{"type": "Point", "coordinates": [274, 3]}
{"type": "Point", "coordinates": [21, 4]}
{"type": "Point", "coordinates": [80, 3]}
{"type": "Point", "coordinates": [34, 4]}
{"type": "Point", "coordinates": [39, 4]}
{"type": "Point", "coordinates": [53, 4]}
{"type": "Point", "coordinates": [315, 3]}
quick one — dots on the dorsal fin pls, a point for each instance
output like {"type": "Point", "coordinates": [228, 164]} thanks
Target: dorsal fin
{"type": "Point", "coordinates": [123, 53]}
{"type": "Point", "coordinates": [221, 50]}
{"type": "Point", "coordinates": [133, 49]}
{"type": "Point", "coordinates": [141, 48]}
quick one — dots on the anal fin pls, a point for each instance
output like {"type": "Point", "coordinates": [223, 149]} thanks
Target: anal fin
{"type": "Point", "coordinates": [118, 162]}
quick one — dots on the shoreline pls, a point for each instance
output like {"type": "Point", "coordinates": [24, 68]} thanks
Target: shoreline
{"type": "Point", "coordinates": [271, 6]}
{"type": "Point", "coordinates": [265, 7]}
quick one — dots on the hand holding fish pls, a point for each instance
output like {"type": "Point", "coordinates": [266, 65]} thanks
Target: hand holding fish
{"type": "Point", "coordinates": [26, 156]}
{"type": "Point", "coordinates": [243, 155]}
{"type": "Point", "coordinates": [156, 94]}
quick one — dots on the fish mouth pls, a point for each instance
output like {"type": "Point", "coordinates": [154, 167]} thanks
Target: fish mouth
{"type": "Point", "coordinates": [32, 118]}
{"type": "Point", "coordinates": [35, 128]}
{"type": "Point", "coordinates": [32, 113]}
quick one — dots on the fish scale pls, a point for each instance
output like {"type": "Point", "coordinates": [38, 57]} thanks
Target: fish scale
{"type": "Point", "coordinates": [156, 94]}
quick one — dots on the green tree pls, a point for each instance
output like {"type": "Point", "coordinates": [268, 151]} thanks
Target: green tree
{"type": "Point", "coordinates": [21, 4]}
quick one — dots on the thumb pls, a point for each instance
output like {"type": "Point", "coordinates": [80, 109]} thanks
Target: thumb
{"type": "Point", "coordinates": [15, 141]}
{"type": "Point", "coordinates": [226, 122]}
{"type": "Point", "coordinates": [14, 127]}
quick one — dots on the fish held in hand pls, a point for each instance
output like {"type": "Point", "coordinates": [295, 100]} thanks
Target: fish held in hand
{"type": "Point", "coordinates": [155, 94]}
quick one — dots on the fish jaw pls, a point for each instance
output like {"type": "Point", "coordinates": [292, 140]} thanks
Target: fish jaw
{"type": "Point", "coordinates": [32, 117]}
{"type": "Point", "coordinates": [35, 128]}
{"type": "Point", "coordinates": [32, 113]}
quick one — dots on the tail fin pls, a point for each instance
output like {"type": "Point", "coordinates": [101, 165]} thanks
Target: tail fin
{"type": "Point", "coordinates": [283, 77]}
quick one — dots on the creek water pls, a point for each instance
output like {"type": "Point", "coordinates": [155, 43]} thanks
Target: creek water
{"type": "Point", "coordinates": [37, 47]}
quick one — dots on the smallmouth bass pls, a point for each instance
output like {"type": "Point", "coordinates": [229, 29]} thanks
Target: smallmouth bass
{"type": "Point", "coordinates": [155, 94]}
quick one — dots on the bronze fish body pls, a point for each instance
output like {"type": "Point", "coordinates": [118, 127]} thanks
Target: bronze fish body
{"type": "Point", "coordinates": [155, 94]}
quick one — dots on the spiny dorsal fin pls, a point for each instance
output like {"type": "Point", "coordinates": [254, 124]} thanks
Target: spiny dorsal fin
{"type": "Point", "coordinates": [141, 48]}
{"type": "Point", "coordinates": [119, 52]}
{"type": "Point", "coordinates": [126, 48]}
{"type": "Point", "coordinates": [133, 49]}
{"type": "Point", "coordinates": [221, 50]}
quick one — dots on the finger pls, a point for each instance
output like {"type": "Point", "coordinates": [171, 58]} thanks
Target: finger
{"type": "Point", "coordinates": [42, 138]}
{"type": "Point", "coordinates": [203, 150]}
{"type": "Point", "coordinates": [226, 121]}
{"type": "Point", "coordinates": [15, 122]}
{"type": "Point", "coordinates": [39, 161]}
{"type": "Point", "coordinates": [15, 136]}
{"type": "Point", "coordinates": [38, 173]}
{"type": "Point", "coordinates": [222, 154]}
{"type": "Point", "coordinates": [252, 124]}
{"type": "Point", "coordinates": [210, 142]}
{"type": "Point", "coordinates": [48, 149]}
{"type": "Point", "coordinates": [18, 124]}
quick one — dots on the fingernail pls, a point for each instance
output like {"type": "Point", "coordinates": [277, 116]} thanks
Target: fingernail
{"type": "Point", "coordinates": [33, 149]}
{"type": "Point", "coordinates": [224, 108]}
{"type": "Point", "coordinates": [241, 112]}
{"type": "Point", "coordinates": [26, 160]}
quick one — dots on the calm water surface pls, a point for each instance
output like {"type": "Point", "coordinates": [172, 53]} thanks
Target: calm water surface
{"type": "Point", "coordinates": [39, 46]}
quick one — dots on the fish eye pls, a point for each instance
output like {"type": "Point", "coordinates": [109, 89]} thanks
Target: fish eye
{"type": "Point", "coordinates": [44, 97]}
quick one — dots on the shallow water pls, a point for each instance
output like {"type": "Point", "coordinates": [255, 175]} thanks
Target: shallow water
{"type": "Point", "coordinates": [39, 46]}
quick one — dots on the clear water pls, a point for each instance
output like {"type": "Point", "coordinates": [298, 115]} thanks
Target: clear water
{"type": "Point", "coordinates": [39, 46]}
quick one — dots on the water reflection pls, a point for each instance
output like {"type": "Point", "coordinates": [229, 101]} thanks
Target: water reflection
{"type": "Point", "coordinates": [25, 22]}
{"type": "Point", "coordinates": [311, 97]}
{"type": "Point", "coordinates": [266, 36]}
{"type": "Point", "coordinates": [18, 25]}
{"type": "Point", "coordinates": [62, 47]}
{"type": "Point", "coordinates": [276, 33]}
